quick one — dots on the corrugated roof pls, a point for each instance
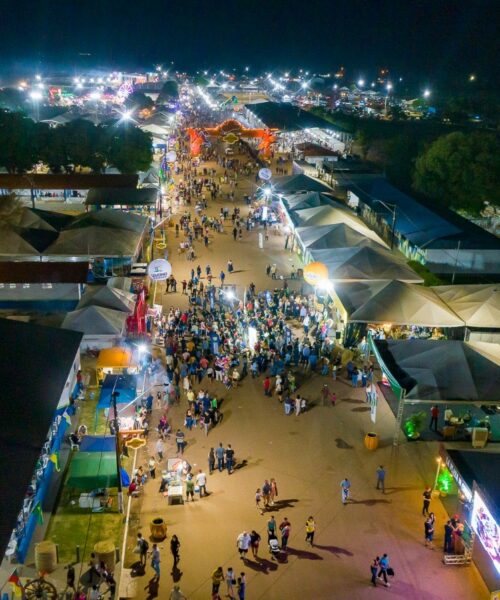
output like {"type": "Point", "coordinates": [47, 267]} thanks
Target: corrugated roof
{"type": "Point", "coordinates": [43, 272]}
{"type": "Point", "coordinates": [77, 181]}
{"type": "Point", "coordinates": [122, 196]}
{"type": "Point", "coordinates": [287, 117]}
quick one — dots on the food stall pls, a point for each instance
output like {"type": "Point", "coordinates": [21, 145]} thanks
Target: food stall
{"type": "Point", "coordinates": [177, 469]}
{"type": "Point", "coordinates": [115, 361]}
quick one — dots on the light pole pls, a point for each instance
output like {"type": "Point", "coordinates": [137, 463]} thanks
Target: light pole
{"type": "Point", "coordinates": [392, 209]}
{"type": "Point", "coordinates": [36, 96]}
{"type": "Point", "coordinates": [389, 88]}
{"type": "Point", "coordinates": [114, 395]}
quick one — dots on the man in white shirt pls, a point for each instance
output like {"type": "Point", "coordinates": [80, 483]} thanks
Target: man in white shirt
{"type": "Point", "coordinates": [243, 543]}
{"type": "Point", "coordinates": [201, 482]}
{"type": "Point", "coordinates": [160, 448]}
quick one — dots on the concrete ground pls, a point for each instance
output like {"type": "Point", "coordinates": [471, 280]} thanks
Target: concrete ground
{"type": "Point", "coordinates": [308, 455]}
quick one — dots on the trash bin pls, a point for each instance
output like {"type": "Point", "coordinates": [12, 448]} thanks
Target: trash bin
{"type": "Point", "coordinates": [46, 556]}
{"type": "Point", "coordinates": [158, 529]}
{"type": "Point", "coordinates": [371, 441]}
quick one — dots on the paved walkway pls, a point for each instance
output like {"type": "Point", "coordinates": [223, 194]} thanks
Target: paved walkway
{"type": "Point", "coordinates": [308, 455]}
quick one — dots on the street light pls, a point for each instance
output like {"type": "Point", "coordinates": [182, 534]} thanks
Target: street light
{"type": "Point", "coordinates": [36, 96]}
{"type": "Point", "coordinates": [304, 85]}
{"type": "Point", "coordinates": [388, 88]}
{"type": "Point", "coordinates": [426, 93]}
{"type": "Point", "coordinates": [361, 83]}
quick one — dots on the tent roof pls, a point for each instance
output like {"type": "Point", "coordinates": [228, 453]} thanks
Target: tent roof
{"type": "Point", "coordinates": [441, 370]}
{"type": "Point", "coordinates": [34, 376]}
{"type": "Point", "coordinates": [287, 117]}
{"type": "Point", "coordinates": [364, 264]}
{"type": "Point", "coordinates": [108, 297]}
{"type": "Point", "coordinates": [12, 243]}
{"type": "Point", "coordinates": [96, 320]}
{"type": "Point", "coordinates": [43, 272]}
{"type": "Point", "coordinates": [299, 183]}
{"type": "Point", "coordinates": [122, 196]}
{"type": "Point", "coordinates": [95, 241]}
{"type": "Point", "coordinates": [117, 357]}
{"type": "Point", "coordinates": [91, 470]}
{"type": "Point", "coordinates": [478, 305]}
{"type": "Point", "coordinates": [120, 283]}
{"type": "Point", "coordinates": [405, 304]}
{"type": "Point", "coordinates": [332, 236]}
{"type": "Point", "coordinates": [39, 239]}
{"type": "Point", "coordinates": [332, 215]}
{"type": "Point", "coordinates": [30, 218]}
{"type": "Point", "coordinates": [75, 181]}
{"type": "Point", "coordinates": [98, 443]}
{"type": "Point", "coordinates": [110, 218]}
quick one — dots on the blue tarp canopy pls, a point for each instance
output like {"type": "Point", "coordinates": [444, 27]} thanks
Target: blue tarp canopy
{"type": "Point", "coordinates": [125, 385]}
{"type": "Point", "coordinates": [98, 443]}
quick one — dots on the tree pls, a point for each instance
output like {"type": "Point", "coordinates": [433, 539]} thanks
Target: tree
{"type": "Point", "coordinates": [82, 139]}
{"type": "Point", "coordinates": [17, 142]}
{"type": "Point", "coordinates": [462, 171]}
{"type": "Point", "coordinates": [12, 99]}
{"type": "Point", "coordinates": [169, 91]}
{"type": "Point", "coordinates": [51, 147]}
{"type": "Point", "coordinates": [138, 101]}
{"type": "Point", "coordinates": [128, 148]}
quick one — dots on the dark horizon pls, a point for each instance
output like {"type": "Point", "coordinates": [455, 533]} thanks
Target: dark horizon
{"type": "Point", "coordinates": [434, 41]}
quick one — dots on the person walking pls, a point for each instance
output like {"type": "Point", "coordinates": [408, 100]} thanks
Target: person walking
{"type": "Point", "coordinates": [426, 497]}
{"type": "Point", "coordinates": [271, 528]}
{"type": "Point", "coordinates": [242, 586]}
{"type": "Point", "coordinates": [160, 448]}
{"type": "Point", "coordinates": [229, 459]}
{"type": "Point", "coordinates": [243, 543]}
{"type": "Point", "coordinates": [230, 267]}
{"type": "Point", "coordinates": [217, 578]}
{"type": "Point", "coordinates": [211, 461]}
{"type": "Point", "coordinates": [383, 567]}
{"type": "Point", "coordinates": [222, 277]}
{"type": "Point", "coordinates": [434, 417]}
{"type": "Point", "coordinates": [267, 386]}
{"type": "Point", "coordinates": [374, 567]}
{"type": "Point", "coordinates": [254, 543]}
{"type": "Point", "coordinates": [142, 548]}
{"type": "Point", "coordinates": [176, 594]}
{"type": "Point", "coordinates": [189, 488]}
{"type": "Point", "coordinates": [175, 548]}
{"type": "Point", "coordinates": [220, 453]}
{"type": "Point", "coordinates": [345, 486]}
{"type": "Point", "coordinates": [230, 582]}
{"type": "Point", "coordinates": [429, 530]}
{"type": "Point", "coordinates": [285, 534]}
{"type": "Point", "coordinates": [152, 467]}
{"type": "Point", "coordinates": [155, 560]}
{"type": "Point", "coordinates": [201, 482]}
{"type": "Point", "coordinates": [274, 491]}
{"type": "Point", "coordinates": [381, 478]}
{"type": "Point", "coordinates": [258, 501]}
{"type": "Point", "coordinates": [179, 440]}
{"type": "Point", "coordinates": [310, 529]}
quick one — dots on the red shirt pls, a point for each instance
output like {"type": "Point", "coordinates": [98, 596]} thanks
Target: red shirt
{"type": "Point", "coordinates": [434, 411]}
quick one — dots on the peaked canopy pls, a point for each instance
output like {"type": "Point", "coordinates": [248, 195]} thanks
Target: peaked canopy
{"type": "Point", "coordinates": [120, 283]}
{"type": "Point", "coordinates": [98, 443]}
{"type": "Point", "coordinates": [332, 215]}
{"type": "Point", "coordinates": [96, 320]}
{"type": "Point", "coordinates": [477, 305]}
{"type": "Point", "coordinates": [96, 241]}
{"type": "Point", "coordinates": [13, 244]}
{"type": "Point", "coordinates": [31, 219]}
{"type": "Point", "coordinates": [108, 297]}
{"type": "Point", "coordinates": [332, 236]}
{"type": "Point", "coordinates": [441, 370]}
{"type": "Point", "coordinates": [404, 304]}
{"type": "Point", "coordinates": [110, 218]}
{"type": "Point", "coordinates": [299, 183]}
{"type": "Point", "coordinates": [303, 200]}
{"type": "Point", "coordinates": [364, 264]}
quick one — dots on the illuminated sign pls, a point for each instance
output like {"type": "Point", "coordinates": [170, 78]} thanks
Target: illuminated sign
{"type": "Point", "coordinates": [486, 529]}
{"type": "Point", "coordinates": [464, 488]}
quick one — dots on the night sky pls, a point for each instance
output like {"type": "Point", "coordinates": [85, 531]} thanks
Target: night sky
{"type": "Point", "coordinates": [420, 39]}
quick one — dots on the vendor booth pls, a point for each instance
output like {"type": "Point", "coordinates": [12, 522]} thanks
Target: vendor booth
{"type": "Point", "coordinates": [92, 470]}
{"type": "Point", "coordinates": [115, 361]}
{"type": "Point", "coordinates": [172, 478]}
{"type": "Point", "coordinates": [125, 387]}
{"type": "Point", "coordinates": [468, 484]}
{"type": "Point", "coordinates": [449, 374]}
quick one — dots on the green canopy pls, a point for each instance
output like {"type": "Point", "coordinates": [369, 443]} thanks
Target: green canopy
{"type": "Point", "coordinates": [91, 470]}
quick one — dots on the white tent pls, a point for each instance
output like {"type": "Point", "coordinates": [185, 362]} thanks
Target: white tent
{"type": "Point", "coordinates": [299, 183]}
{"type": "Point", "coordinates": [332, 215]}
{"type": "Point", "coordinates": [96, 241]}
{"type": "Point", "coordinates": [96, 320]}
{"type": "Point", "coordinates": [404, 304]}
{"type": "Point", "coordinates": [332, 236]}
{"type": "Point", "coordinates": [303, 200]}
{"type": "Point", "coordinates": [13, 245]}
{"type": "Point", "coordinates": [364, 264]}
{"type": "Point", "coordinates": [110, 218]}
{"type": "Point", "coordinates": [108, 297]}
{"type": "Point", "coordinates": [120, 283]}
{"type": "Point", "coordinates": [477, 305]}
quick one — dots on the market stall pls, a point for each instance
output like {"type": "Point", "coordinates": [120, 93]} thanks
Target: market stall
{"type": "Point", "coordinates": [116, 361]}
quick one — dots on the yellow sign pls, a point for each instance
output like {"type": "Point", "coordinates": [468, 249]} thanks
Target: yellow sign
{"type": "Point", "coordinates": [135, 443]}
{"type": "Point", "coordinates": [231, 138]}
